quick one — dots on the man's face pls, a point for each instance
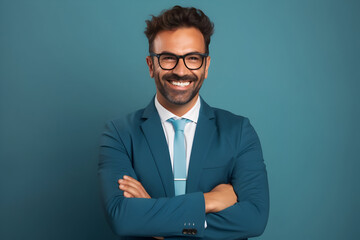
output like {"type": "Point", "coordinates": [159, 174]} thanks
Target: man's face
{"type": "Point", "coordinates": [179, 86]}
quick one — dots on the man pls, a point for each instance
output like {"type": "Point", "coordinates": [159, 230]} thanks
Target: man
{"type": "Point", "coordinates": [180, 169]}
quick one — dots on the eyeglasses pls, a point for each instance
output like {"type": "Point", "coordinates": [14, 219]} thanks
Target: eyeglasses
{"type": "Point", "coordinates": [168, 61]}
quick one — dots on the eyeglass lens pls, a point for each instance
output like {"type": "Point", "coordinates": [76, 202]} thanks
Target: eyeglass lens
{"type": "Point", "coordinates": [193, 61]}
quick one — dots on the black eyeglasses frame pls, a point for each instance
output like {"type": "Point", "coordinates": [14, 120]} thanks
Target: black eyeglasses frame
{"type": "Point", "coordinates": [203, 55]}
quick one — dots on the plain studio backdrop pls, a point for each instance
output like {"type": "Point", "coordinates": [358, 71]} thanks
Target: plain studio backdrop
{"type": "Point", "coordinates": [291, 66]}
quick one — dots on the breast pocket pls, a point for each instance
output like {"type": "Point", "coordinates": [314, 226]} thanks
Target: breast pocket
{"type": "Point", "coordinates": [214, 175]}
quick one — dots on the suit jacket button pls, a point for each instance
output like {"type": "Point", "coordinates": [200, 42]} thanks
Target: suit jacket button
{"type": "Point", "coordinates": [185, 231]}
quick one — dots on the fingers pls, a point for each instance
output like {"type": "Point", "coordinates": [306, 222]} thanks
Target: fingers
{"type": "Point", "coordinates": [128, 195]}
{"type": "Point", "coordinates": [130, 191]}
{"type": "Point", "coordinates": [132, 188]}
{"type": "Point", "coordinates": [132, 182]}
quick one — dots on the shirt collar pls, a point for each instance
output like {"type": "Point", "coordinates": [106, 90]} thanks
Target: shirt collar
{"type": "Point", "coordinates": [192, 114]}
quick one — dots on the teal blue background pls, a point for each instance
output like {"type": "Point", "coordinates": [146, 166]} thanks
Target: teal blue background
{"type": "Point", "coordinates": [67, 66]}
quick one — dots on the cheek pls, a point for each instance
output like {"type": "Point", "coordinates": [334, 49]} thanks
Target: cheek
{"type": "Point", "coordinates": [201, 76]}
{"type": "Point", "coordinates": [158, 76]}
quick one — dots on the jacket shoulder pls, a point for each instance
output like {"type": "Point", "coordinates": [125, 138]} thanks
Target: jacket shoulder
{"type": "Point", "coordinates": [224, 117]}
{"type": "Point", "coordinates": [124, 128]}
{"type": "Point", "coordinates": [128, 121]}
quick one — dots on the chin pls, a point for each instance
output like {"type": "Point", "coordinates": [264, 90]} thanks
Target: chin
{"type": "Point", "coordinates": [180, 101]}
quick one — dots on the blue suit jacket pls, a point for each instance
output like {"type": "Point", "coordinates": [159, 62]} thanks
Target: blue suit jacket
{"type": "Point", "coordinates": [226, 149]}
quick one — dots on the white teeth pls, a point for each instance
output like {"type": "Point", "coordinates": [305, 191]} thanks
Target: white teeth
{"type": "Point", "coordinates": [181, 84]}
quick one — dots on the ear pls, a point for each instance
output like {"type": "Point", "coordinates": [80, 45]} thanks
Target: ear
{"type": "Point", "coordinates": [150, 64]}
{"type": "Point", "coordinates": [207, 65]}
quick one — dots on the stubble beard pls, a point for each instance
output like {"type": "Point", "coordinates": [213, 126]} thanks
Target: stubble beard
{"type": "Point", "coordinates": [178, 97]}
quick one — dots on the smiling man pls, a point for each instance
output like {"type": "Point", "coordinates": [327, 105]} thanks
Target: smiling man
{"type": "Point", "coordinates": [180, 169]}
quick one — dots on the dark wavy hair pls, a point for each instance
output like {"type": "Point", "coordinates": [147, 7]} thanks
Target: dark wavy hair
{"type": "Point", "coordinates": [178, 17]}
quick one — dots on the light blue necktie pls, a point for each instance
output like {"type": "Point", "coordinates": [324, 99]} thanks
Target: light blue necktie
{"type": "Point", "coordinates": [179, 156]}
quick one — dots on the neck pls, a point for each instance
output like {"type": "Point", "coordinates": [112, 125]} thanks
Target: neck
{"type": "Point", "coordinates": [178, 110]}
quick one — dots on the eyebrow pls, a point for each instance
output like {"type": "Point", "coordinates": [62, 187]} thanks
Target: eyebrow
{"type": "Point", "coordinates": [166, 52]}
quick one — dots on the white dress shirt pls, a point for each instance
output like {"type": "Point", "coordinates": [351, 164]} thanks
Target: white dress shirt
{"type": "Point", "coordinates": [189, 130]}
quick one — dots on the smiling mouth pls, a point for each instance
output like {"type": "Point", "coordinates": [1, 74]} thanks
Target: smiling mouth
{"type": "Point", "coordinates": [180, 83]}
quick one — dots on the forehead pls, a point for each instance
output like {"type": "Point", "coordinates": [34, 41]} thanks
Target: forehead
{"type": "Point", "coordinates": [179, 41]}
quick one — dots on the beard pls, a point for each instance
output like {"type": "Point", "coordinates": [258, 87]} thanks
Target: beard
{"type": "Point", "coordinates": [178, 97]}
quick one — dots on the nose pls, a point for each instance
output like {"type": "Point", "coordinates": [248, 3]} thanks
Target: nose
{"type": "Point", "coordinates": [180, 68]}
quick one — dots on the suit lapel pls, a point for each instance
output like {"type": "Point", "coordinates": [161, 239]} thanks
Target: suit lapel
{"type": "Point", "coordinates": [204, 134]}
{"type": "Point", "coordinates": [155, 138]}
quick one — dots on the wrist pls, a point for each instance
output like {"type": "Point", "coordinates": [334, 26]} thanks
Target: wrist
{"type": "Point", "coordinates": [209, 203]}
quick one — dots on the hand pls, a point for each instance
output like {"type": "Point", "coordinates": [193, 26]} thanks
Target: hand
{"type": "Point", "coordinates": [132, 188]}
{"type": "Point", "coordinates": [219, 198]}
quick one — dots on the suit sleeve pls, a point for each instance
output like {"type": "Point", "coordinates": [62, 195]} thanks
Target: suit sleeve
{"type": "Point", "coordinates": [248, 217]}
{"type": "Point", "coordinates": [141, 217]}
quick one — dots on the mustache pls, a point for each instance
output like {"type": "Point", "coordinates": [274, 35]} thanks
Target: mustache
{"type": "Point", "coordinates": [173, 76]}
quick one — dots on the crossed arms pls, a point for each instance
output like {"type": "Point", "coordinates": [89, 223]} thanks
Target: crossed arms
{"type": "Point", "coordinates": [131, 211]}
{"type": "Point", "coordinates": [221, 197]}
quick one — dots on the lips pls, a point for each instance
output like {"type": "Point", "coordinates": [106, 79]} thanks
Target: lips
{"type": "Point", "coordinates": [180, 84]}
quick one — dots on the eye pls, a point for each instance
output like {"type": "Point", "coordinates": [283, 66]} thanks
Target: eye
{"type": "Point", "coordinates": [193, 58]}
{"type": "Point", "coordinates": [168, 58]}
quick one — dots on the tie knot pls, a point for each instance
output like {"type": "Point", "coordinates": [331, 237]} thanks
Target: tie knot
{"type": "Point", "coordinates": [179, 124]}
